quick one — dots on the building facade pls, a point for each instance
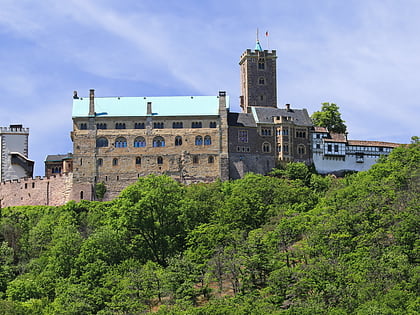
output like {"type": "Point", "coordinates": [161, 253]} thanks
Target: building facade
{"type": "Point", "coordinates": [14, 162]}
{"type": "Point", "coordinates": [334, 154]}
{"type": "Point", "coordinates": [117, 140]}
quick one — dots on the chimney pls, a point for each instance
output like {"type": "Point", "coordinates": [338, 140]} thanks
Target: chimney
{"type": "Point", "coordinates": [288, 107]}
{"type": "Point", "coordinates": [149, 108]}
{"type": "Point", "coordinates": [222, 101]}
{"type": "Point", "coordinates": [91, 102]}
{"type": "Point", "coordinates": [75, 95]}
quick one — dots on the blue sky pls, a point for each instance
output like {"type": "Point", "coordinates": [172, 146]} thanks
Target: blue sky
{"type": "Point", "coordinates": [362, 55]}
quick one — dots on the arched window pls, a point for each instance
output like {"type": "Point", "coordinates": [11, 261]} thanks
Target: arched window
{"type": "Point", "coordinates": [138, 125]}
{"type": "Point", "coordinates": [158, 125]}
{"type": "Point", "coordinates": [178, 140]}
{"type": "Point", "coordinates": [159, 160]}
{"type": "Point", "coordinates": [138, 160]}
{"type": "Point", "coordinates": [121, 142]}
{"type": "Point", "coordinates": [115, 162]}
{"type": "Point", "coordinates": [139, 142]}
{"type": "Point", "coordinates": [207, 140]}
{"type": "Point", "coordinates": [261, 64]}
{"type": "Point", "coordinates": [101, 126]}
{"type": "Point", "coordinates": [261, 81]}
{"type": "Point", "coordinates": [177, 125]}
{"type": "Point", "coordinates": [198, 140]}
{"type": "Point", "coordinates": [81, 195]}
{"type": "Point", "coordinates": [195, 159]}
{"type": "Point", "coordinates": [212, 124]}
{"type": "Point", "coordinates": [196, 124]}
{"type": "Point", "coordinates": [83, 126]}
{"type": "Point", "coordinates": [301, 149]}
{"type": "Point", "coordinates": [99, 162]}
{"type": "Point", "coordinates": [266, 147]}
{"type": "Point", "coordinates": [158, 142]}
{"type": "Point", "coordinates": [101, 142]}
{"type": "Point", "coordinates": [211, 159]}
{"type": "Point", "coordinates": [120, 126]}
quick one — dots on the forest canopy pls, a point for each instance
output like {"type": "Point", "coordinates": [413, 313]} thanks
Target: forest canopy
{"type": "Point", "coordinates": [293, 242]}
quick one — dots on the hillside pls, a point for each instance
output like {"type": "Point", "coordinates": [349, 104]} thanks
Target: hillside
{"type": "Point", "coordinates": [290, 243]}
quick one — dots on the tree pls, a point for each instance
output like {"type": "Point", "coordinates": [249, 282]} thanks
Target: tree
{"type": "Point", "coordinates": [330, 118]}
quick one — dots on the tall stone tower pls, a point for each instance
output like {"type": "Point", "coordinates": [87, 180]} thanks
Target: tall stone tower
{"type": "Point", "coordinates": [14, 162]}
{"type": "Point", "coordinates": [258, 78]}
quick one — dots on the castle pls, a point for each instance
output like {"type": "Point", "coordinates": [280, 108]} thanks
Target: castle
{"type": "Point", "coordinates": [116, 140]}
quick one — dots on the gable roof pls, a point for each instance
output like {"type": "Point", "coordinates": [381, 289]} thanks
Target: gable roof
{"type": "Point", "coordinates": [137, 106]}
{"type": "Point", "coordinates": [265, 115]}
{"type": "Point", "coordinates": [241, 120]}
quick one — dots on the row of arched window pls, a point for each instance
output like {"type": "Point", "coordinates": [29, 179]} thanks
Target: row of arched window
{"type": "Point", "coordinates": [159, 160]}
{"type": "Point", "coordinates": [158, 141]}
{"type": "Point", "coordinates": [156, 125]}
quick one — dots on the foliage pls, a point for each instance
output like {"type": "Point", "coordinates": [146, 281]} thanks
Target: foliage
{"type": "Point", "coordinates": [330, 118]}
{"type": "Point", "coordinates": [291, 243]}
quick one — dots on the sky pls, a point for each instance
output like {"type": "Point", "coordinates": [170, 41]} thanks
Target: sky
{"type": "Point", "coordinates": [363, 55]}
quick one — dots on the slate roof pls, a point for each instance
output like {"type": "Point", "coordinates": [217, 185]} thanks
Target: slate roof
{"type": "Point", "coordinates": [241, 120]}
{"type": "Point", "coordinates": [265, 115]}
{"type": "Point", "coordinates": [137, 106]}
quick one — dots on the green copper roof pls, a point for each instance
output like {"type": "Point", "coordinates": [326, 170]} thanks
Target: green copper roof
{"type": "Point", "coordinates": [137, 106]}
{"type": "Point", "coordinates": [258, 46]}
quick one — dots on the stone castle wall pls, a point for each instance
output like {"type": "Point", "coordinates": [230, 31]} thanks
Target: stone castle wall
{"type": "Point", "coordinates": [49, 191]}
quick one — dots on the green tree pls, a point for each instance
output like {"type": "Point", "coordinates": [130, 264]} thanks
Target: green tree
{"type": "Point", "coordinates": [330, 118]}
{"type": "Point", "coordinates": [149, 210]}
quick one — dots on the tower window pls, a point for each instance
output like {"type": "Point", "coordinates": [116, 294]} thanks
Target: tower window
{"type": "Point", "coordinates": [261, 81]}
{"type": "Point", "coordinates": [159, 160]}
{"type": "Point", "coordinates": [138, 160]}
{"type": "Point", "coordinates": [115, 162]}
{"type": "Point", "coordinates": [261, 64]}
{"type": "Point", "coordinates": [99, 162]}
{"type": "Point", "coordinates": [211, 159]}
{"type": "Point", "coordinates": [262, 97]}
{"type": "Point", "coordinates": [195, 159]}
{"type": "Point", "coordinates": [83, 126]}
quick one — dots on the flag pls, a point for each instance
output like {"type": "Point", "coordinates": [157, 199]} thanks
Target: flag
{"type": "Point", "coordinates": [266, 34]}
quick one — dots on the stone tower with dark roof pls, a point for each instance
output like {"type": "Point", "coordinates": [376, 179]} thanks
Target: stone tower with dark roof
{"type": "Point", "coordinates": [258, 78]}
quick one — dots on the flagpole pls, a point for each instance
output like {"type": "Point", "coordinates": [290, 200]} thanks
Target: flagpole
{"type": "Point", "coordinates": [268, 40]}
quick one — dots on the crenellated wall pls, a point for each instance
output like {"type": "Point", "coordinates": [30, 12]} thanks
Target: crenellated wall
{"type": "Point", "coordinates": [51, 191]}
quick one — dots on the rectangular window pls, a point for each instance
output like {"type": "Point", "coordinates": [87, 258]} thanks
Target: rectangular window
{"type": "Point", "coordinates": [243, 136]}
{"type": "Point", "coordinates": [330, 148]}
{"type": "Point", "coordinates": [336, 148]}
{"type": "Point", "coordinates": [266, 131]}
